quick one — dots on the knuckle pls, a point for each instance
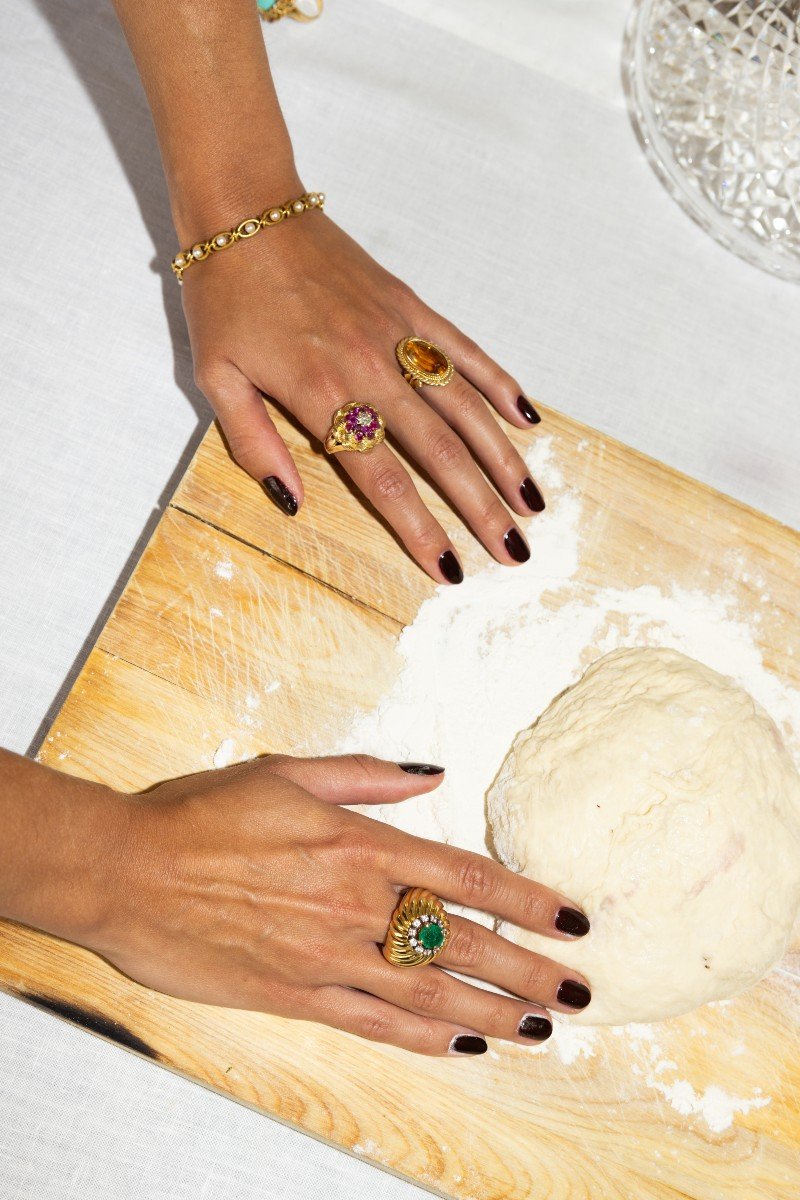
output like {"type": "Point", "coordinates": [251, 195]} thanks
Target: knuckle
{"type": "Point", "coordinates": [343, 910]}
{"type": "Point", "coordinates": [496, 1018]}
{"type": "Point", "coordinates": [400, 291]}
{"type": "Point", "coordinates": [357, 845]}
{"type": "Point", "coordinates": [476, 879]}
{"type": "Point", "coordinates": [316, 953]}
{"type": "Point", "coordinates": [427, 993]}
{"type": "Point", "coordinates": [492, 513]}
{"type": "Point", "coordinates": [275, 764]}
{"type": "Point", "coordinates": [447, 451]}
{"type": "Point", "coordinates": [535, 908]}
{"type": "Point", "coordinates": [326, 384]}
{"type": "Point", "coordinates": [377, 1027]}
{"type": "Point", "coordinates": [364, 764]}
{"type": "Point", "coordinates": [429, 537]}
{"type": "Point", "coordinates": [467, 404]}
{"type": "Point", "coordinates": [469, 348]}
{"type": "Point", "coordinates": [426, 1040]}
{"type": "Point", "coordinates": [370, 357]}
{"type": "Point", "coordinates": [510, 464]}
{"type": "Point", "coordinates": [465, 946]}
{"type": "Point", "coordinates": [532, 979]}
{"type": "Point", "coordinates": [389, 485]}
{"type": "Point", "coordinates": [206, 376]}
{"type": "Point", "coordinates": [499, 379]}
{"type": "Point", "coordinates": [246, 448]}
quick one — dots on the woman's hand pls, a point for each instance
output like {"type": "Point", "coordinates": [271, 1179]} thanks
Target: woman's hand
{"type": "Point", "coordinates": [254, 888]}
{"type": "Point", "coordinates": [302, 314]}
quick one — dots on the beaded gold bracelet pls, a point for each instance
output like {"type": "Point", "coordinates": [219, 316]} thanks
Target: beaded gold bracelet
{"type": "Point", "coordinates": [245, 229]}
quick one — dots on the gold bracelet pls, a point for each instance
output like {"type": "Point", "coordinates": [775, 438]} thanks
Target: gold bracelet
{"type": "Point", "coordinates": [245, 229]}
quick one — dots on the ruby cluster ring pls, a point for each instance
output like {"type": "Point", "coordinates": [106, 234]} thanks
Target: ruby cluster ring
{"type": "Point", "coordinates": [355, 426]}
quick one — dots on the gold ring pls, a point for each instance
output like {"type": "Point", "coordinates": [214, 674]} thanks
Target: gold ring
{"type": "Point", "coordinates": [355, 427]}
{"type": "Point", "coordinates": [418, 931]}
{"type": "Point", "coordinates": [423, 363]}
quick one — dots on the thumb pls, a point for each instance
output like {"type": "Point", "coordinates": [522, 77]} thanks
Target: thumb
{"type": "Point", "coordinates": [251, 435]}
{"type": "Point", "coordinates": [357, 778]}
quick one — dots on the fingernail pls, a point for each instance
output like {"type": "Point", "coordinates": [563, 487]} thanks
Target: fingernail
{"type": "Point", "coordinates": [528, 411]}
{"type": "Point", "coordinates": [531, 495]}
{"type": "Point", "coordinates": [450, 567]}
{"type": "Point", "coordinates": [535, 1027]}
{"type": "Point", "coordinates": [280, 495]}
{"type": "Point", "coordinates": [421, 768]}
{"type": "Point", "coordinates": [575, 994]}
{"type": "Point", "coordinates": [466, 1043]}
{"type": "Point", "coordinates": [516, 547]}
{"type": "Point", "coordinates": [573, 922]}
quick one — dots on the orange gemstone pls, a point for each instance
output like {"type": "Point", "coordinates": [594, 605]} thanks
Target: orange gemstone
{"type": "Point", "coordinates": [422, 356]}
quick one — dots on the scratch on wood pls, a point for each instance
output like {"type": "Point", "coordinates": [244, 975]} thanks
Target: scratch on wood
{"type": "Point", "coordinates": [95, 1022]}
{"type": "Point", "coordinates": [357, 600]}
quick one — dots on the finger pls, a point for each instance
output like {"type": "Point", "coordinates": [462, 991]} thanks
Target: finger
{"type": "Point", "coordinates": [479, 882]}
{"type": "Point", "coordinates": [430, 992]}
{"type": "Point", "coordinates": [368, 1017]}
{"type": "Point", "coordinates": [440, 451]}
{"type": "Point", "coordinates": [357, 778]}
{"type": "Point", "coordinates": [476, 951]}
{"type": "Point", "coordinates": [466, 411]}
{"type": "Point", "coordinates": [500, 389]}
{"type": "Point", "coordinates": [252, 437]}
{"type": "Point", "coordinates": [388, 486]}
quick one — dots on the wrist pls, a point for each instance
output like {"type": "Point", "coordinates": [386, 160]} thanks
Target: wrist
{"type": "Point", "coordinates": [213, 197]}
{"type": "Point", "coordinates": [65, 840]}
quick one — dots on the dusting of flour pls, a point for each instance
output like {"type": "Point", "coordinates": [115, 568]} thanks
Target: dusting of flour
{"type": "Point", "coordinates": [481, 662]}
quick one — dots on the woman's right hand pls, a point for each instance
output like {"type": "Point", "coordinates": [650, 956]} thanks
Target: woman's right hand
{"type": "Point", "coordinates": [254, 887]}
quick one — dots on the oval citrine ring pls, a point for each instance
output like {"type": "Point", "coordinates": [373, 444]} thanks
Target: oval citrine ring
{"type": "Point", "coordinates": [418, 931]}
{"type": "Point", "coordinates": [423, 363]}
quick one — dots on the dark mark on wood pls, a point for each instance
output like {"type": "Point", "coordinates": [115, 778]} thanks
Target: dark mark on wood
{"type": "Point", "coordinates": [93, 1021]}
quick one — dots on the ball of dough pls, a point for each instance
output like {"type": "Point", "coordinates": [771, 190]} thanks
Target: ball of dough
{"type": "Point", "coordinates": [659, 796]}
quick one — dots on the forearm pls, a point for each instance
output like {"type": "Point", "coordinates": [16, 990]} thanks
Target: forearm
{"type": "Point", "coordinates": [60, 838]}
{"type": "Point", "coordinates": [223, 139]}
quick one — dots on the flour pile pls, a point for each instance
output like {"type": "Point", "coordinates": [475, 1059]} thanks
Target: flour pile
{"type": "Point", "coordinates": [483, 660]}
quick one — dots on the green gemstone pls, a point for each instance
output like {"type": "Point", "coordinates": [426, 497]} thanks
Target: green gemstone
{"type": "Point", "coordinates": [431, 936]}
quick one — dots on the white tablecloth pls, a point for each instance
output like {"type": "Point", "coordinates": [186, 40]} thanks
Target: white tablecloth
{"type": "Point", "coordinates": [545, 234]}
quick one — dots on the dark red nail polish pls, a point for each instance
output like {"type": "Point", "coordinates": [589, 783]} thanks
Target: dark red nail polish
{"type": "Point", "coordinates": [573, 922]}
{"type": "Point", "coordinates": [421, 769]}
{"type": "Point", "coordinates": [575, 994]}
{"type": "Point", "coordinates": [465, 1043]}
{"type": "Point", "coordinates": [515, 545]}
{"type": "Point", "coordinates": [450, 567]}
{"type": "Point", "coordinates": [279, 494]}
{"type": "Point", "coordinates": [528, 411]}
{"type": "Point", "coordinates": [531, 495]}
{"type": "Point", "coordinates": [535, 1027]}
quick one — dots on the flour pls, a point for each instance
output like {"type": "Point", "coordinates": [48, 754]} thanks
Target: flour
{"type": "Point", "coordinates": [225, 753]}
{"type": "Point", "coordinates": [716, 1107]}
{"type": "Point", "coordinates": [224, 569]}
{"type": "Point", "coordinates": [482, 660]}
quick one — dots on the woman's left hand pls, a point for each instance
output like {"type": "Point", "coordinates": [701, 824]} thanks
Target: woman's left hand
{"type": "Point", "coordinates": [303, 314]}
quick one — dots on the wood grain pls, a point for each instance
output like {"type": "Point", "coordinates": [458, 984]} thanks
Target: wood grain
{"type": "Point", "coordinates": [234, 628]}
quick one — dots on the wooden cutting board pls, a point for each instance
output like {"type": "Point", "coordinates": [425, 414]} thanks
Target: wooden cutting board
{"type": "Point", "coordinates": [231, 598]}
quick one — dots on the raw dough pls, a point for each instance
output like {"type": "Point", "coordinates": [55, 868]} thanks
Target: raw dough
{"type": "Point", "coordinates": [659, 796]}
